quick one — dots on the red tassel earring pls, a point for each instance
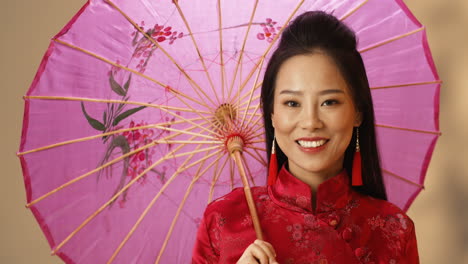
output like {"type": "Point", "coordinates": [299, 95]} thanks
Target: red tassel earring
{"type": "Point", "coordinates": [273, 168]}
{"type": "Point", "coordinates": [357, 169]}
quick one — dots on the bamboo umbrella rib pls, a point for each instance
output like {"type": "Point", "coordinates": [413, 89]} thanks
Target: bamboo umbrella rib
{"type": "Point", "coordinates": [352, 11]}
{"type": "Point", "coordinates": [89, 173]}
{"type": "Point", "coordinates": [231, 173]}
{"type": "Point", "coordinates": [215, 180]}
{"type": "Point", "coordinates": [254, 125]}
{"type": "Point", "coordinates": [159, 126]}
{"type": "Point", "coordinates": [117, 159]}
{"type": "Point", "coordinates": [188, 142]}
{"type": "Point", "coordinates": [258, 141]}
{"type": "Point", "coordinates": [254, 114]}
{"type": "Point", "coordinates": [237, 94]}
{"type": "Point", "coordinates": [83, 99]}
{"type": "Point", "coordinates": [215, 172]}
{"type": "Point", "coordinates": [271, 45]}
{"type": "Point", "coordinates": [403, 179]}
{"type": "Point", "coordinates": [176, 3]}
{"type": "Point", "coordinates": [223, 74]}
{"type": "Point", "coordinates": [259, 159]}
{"type": "Point", "coordinates": [249, 173]}
{"type": "Point", "coordinates": [255, 136]}
{"type": "Point", "coordinates": [187, 193]}
{"type": "Point", "coordinates": [379, 44]}
{"type": "Point", "coordinates": [198, 88]}
{"type": "Point", "coordinates": [256, 128]}
{"type": "Point", "coordinates": [249, 101]}
{"type": "Point", "coordinates": [256, 148]}
{"type": "Point", "coordinates": [254, 98]}
{"type": "Point", "coordinates": [175, 92]}
{"type": "Point", "coordinates": [241, 54]}
{"type": "Point", "coordinates": [260, 155]}
{"type": "Point", "coordinates": [195, 124]}
{"type": "Point", "coordinates": [128, 185]}
{"type": "Point", "coordinates": [406, 84]}
{"type": "Point", "coordinates": [153, 201]}
{"type": "Point", "coordinates": [438, 133]}
{"type": "Point", "coordinates": [250, 106]}
{"type": "Point", "coordinates": [161, 108]}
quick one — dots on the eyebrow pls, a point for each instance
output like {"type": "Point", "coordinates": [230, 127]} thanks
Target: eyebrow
{"type": "Point", "coordinates": [323, 92]}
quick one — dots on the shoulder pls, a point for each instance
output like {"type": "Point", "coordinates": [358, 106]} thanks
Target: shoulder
{"type": "Point", "coordinates": [383, 216]}
{"type": "Point", "coordinates": [385, 230]}
{"type": "Point", "coordinates": [381, 207]}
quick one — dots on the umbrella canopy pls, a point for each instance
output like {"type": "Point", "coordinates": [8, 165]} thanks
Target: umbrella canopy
{"type": "Point", "coordinates": [131, 119]}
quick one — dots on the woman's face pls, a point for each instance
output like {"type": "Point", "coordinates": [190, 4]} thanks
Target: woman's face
{"type": "Point", "coordinates": [313, 115]}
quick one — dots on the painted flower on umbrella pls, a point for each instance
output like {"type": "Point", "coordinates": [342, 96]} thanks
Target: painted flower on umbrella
{"type": "Point", "coordinates": [137, 138]}
{"type": "Point", "coordinates": [141, 160]}
{"type": "Point", "coordinates": [145, 43]}
{"type": "Point", "coordinates": [270, 30]}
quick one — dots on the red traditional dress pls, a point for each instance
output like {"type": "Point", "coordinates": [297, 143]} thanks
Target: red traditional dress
{"type": "Point", "coordinates": [346, 227]}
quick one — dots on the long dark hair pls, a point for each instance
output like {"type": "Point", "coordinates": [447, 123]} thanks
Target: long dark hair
{"type": "Point", "coordinates": [308, 33]}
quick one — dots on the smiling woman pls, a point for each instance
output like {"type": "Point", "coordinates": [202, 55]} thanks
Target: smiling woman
{"type": "Point", "coordinates": [319, 207]}
{"type": "Point", "coordinates": [313, 117]}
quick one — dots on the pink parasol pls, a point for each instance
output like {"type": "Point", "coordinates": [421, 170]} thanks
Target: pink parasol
{"type": "Point", "coordinates": [142, 112]}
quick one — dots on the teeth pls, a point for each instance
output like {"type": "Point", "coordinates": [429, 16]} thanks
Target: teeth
{"type": "Point", "coordinates": [311, 144]}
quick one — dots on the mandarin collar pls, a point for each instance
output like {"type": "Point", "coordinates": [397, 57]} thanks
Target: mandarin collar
{"type": "Point", "coordinates": [293, 194]}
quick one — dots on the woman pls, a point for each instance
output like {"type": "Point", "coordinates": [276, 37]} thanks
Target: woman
{"type": "Point", "coordinates": [318, 109]}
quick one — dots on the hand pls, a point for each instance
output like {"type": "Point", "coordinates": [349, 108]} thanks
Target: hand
{"type": "Point", "coordinates": [259, 252]}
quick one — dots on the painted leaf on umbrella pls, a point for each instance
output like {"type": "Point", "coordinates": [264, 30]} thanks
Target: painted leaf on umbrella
{"type": "Point", "coordinates": [126, 114]}
{"type": "Point", "coordinates": [93, 122]}
{"type": "Point", "coordinates": [115, 112]}
{"type": "Point", "coordinates": [116, 86]}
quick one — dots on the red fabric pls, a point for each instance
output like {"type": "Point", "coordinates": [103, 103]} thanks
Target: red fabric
{"type": "Point", "coordinates": [346, 227]}
{"type": "Point", "coordinates": [356, 173]}
{"type": "Point", "coordinates": [272, 169]}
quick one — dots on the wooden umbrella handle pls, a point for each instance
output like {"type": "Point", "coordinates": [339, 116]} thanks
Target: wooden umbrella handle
{"type": "Point", "coordinates": [248, 194]}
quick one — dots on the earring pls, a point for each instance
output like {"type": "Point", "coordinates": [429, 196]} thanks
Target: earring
{"type": "Point", "coordinates": [273, 166]}
{"type": "Point", "coordinates": [357, 169]}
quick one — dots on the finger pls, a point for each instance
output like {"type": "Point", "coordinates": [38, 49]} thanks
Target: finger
{"type": "Point", "coordinates": [247, 260]}
{"type": "Point", "coordinates": [267, 248]}
{"type": "Point", "coordinates": [253, 255]}
{"type": "Point", "coordinates": [259, 253]}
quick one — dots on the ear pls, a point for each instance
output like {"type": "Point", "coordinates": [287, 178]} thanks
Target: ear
{"type": "Point", "coordinates": [358, 119]}
{"type": "Point", "coordinates": [272, 120]}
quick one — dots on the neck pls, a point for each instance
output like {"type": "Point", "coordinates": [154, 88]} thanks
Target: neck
{"type": "Point", "coordinates": [314, 179]}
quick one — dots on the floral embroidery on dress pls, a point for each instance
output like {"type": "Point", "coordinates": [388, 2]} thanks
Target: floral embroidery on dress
{"type": "Point", "coordinates": [247, 221]}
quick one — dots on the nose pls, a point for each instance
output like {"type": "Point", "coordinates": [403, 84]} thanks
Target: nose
{"type": "Point", "coordinates": [310, 118]}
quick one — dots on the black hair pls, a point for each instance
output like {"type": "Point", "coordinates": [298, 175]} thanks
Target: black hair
{"type": "Point", "coordinates": [315, 31]}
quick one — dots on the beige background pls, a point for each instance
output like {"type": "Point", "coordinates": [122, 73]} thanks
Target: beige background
{"type": "Point", "coordinates": [440, 212]}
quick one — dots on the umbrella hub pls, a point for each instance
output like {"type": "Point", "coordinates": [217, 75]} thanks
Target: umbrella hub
{"type": "Point", "coordinates": [234, 143]}
{"type": "Point", "coordinates": [225, 115]}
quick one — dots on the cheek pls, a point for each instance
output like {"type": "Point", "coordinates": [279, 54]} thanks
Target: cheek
{"type": "Point", "coordinates": [282, 122]}
{"type": "Point", "coordinates": [343, 125]}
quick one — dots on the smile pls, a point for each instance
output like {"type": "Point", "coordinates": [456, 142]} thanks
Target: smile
{"type": "Point", "coordinates": [311, 144]}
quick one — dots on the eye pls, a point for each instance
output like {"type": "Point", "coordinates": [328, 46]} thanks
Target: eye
{"type": "Point", "coordinates": [291, 103]}
{"type": "Point", "coordinates": [330, 102]}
